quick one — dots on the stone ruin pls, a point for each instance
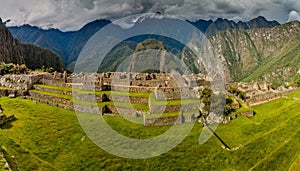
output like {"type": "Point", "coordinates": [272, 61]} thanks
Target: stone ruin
{"type": "Point", "coordinates": [172, 86]}
{"type": "Point", "coordinates": [260, 92]}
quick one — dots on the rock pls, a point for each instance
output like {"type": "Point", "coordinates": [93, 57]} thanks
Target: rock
{"type": "Point", "coordinates": [11, 96]}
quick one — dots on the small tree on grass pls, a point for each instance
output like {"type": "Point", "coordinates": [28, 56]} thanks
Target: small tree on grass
{"type": "Point", "coordinates": [206, 98]}
{"type": "Point", "coordinates": [228, 105]}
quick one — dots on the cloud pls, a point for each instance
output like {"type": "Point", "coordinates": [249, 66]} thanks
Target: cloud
{"type": "Point", "coordinates": [73, 14]}
{"type": "Point", "coordinates": [293, 16]}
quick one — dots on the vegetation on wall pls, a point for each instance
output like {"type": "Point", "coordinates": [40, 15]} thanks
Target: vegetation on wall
{"type": "Point", "coordinates": [236, 92]}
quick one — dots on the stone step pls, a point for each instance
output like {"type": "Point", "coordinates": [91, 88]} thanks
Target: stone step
{"type": "Point", "coordinates": [51, 103]}
{"type": "Point", "coordinates": [63, 92]}
{"type": "Point", "coordinates": [52, 98]}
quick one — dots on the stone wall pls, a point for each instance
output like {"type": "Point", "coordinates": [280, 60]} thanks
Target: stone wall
{"type": "Point", "coordinates": [127, 99]}
{"type": "Point", "coordinates": [125, 111]}
{"type": "Point", "coordinates": [20, 82]}
{"type": "Point", "coordinates": [53, 91]}
{"type": "Point", "coordinates": [156, 109]}
{"type": "Point", "coordinates": [263, 98]}
{"type": "Point", "coordinates": [51, 103]}
{"type": "Point", "coordinates": [87, 109]}
{"type": "Point", "coordinates": [7, 92]}
{"type": "Point", "coordinates": [110, 97]}
{"type": "Point", "coordinates": [132, 88]}
{"type": "Point", "coordinates": [50, 98]}
{"type": "Point", "coordinates": [58, 83]}
{"type": "Point", "coordinates": [165, 121]}
{"type": "Point", "coordinates": [88, 97]}
{"type": "Point", "coordinates": [166, 93]}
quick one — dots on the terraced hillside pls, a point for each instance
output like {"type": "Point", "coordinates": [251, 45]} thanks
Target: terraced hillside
{"type": "Point", "coordinates": [131, 104]}
{"type": "Point", "coordinates": [61, 96]}
{"type": "Point", "coordinates": [50, 138]}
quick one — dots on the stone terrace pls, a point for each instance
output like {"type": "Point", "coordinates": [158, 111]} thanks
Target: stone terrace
{"type": "Point", "coordinates": [113, 93]}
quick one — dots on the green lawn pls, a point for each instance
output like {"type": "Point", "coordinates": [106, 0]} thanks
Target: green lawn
{"type": "Point", "coordinates": [49, 138]}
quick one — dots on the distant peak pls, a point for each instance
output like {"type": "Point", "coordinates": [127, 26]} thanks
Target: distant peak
{"type": "Point", "coordinates": [219, 19]}
{"type": "Point", "coordinates": [261, 18]}
{"type": "Point", "coordinates": [100, 22]}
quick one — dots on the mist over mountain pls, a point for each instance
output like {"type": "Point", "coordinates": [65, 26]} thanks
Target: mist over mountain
{"type": "Point", "coordinates": [13, 51]}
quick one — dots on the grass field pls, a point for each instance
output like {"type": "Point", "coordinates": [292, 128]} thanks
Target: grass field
{"type": "Point", "coordinates": [49, 138]}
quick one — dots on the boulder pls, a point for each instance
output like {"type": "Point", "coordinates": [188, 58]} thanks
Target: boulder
{"type": "Point", "coordinates": [12, 95]}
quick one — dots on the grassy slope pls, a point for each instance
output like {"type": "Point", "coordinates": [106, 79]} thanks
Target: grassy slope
{"type": "Point", "coordinates": [49, 138]}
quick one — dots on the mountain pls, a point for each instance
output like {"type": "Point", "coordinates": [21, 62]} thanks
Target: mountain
{"type": "Point", "coordinates": [255, 50]}
{"type": "Point", "coordinates": [271, 54]}
{"type": "Point", "coordinates": [224, 24]}
{"type": "Point", "coordinates": [66, 44]}
{"type": "Point", "coordinates": [13, 51]}
{"type": "Point", "coordinates": [202, 25]}
{"type": "Point", "coordinates": [79, 38]}
{"type": "Point", "coordinates": [69, 44]}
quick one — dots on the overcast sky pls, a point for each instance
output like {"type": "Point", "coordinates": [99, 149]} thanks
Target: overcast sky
{"type": "Point", "coordinates": [73, 14]}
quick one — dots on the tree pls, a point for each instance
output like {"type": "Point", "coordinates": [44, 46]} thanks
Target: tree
{"type": "Point", "coordinates": [206, 98]}
{"type": "Point", "coordinates": [228, 105]}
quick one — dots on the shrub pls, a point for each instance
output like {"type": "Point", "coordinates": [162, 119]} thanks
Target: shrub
{"type": "Point", "coordinates": [12, 69]}
{"type": "Point", "coordinates": [206, 98]}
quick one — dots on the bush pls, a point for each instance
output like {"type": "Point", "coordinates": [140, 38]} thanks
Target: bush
{"type": "Point", "coordinates": [206, 98]}
{"type": "Point", "coordinates": [296, 81]}
{"type": "Point", "coordinates": [12, 69]}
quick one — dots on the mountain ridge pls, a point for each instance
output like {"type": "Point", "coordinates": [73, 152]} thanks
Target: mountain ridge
{"type": "Point", "coordinates": [69, 44]}
{"type": "Point", "coordinates": [13, 51]}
